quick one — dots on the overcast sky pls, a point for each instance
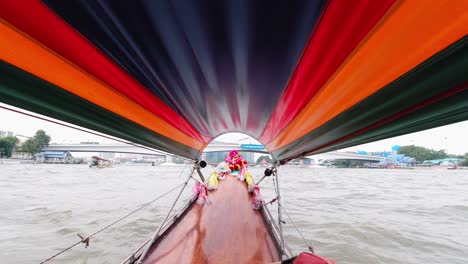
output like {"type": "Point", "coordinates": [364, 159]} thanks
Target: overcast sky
{"type": "Point", "coordinates": [453, 138]}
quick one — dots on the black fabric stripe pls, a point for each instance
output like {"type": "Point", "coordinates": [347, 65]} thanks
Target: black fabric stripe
{"type": "Point", "coordinates": [222, 65]}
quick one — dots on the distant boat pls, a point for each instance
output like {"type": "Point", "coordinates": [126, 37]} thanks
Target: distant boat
{"type": "Point", "coordinates": [450, 166]}
{"type": "Point", "coordinates": [100, 162]}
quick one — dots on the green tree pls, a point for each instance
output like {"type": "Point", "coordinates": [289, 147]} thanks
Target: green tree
{"type": "Point", "coordinates": [35, 144]}
{"type": "Point", "coordinates": [7, 146]}
{"type": "Point", "coordinates": [421, 154]}
{"type": "Point", "coordinates": [42, 139]}
{"type": "Point", "coordinates": [464, 162]}
{"type": "Point", "coordinates": [30, 146]}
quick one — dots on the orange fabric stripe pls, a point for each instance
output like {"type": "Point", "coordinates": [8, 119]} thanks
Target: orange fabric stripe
{"type": "Point", "coordinates": [20, 50]}
{"type": "Point", "coordinates": [409, 34]}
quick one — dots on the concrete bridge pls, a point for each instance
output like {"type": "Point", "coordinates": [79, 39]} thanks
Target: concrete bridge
{"type": "Point", "coordinates": [215, 146]}
{"type": "Point", "coordinates": [131, 149]}
{"type": "Point", "coordinates": [335, 155]}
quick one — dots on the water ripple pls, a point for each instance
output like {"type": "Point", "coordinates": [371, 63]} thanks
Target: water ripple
{"type": "Point", "coordinates": [350, 215]}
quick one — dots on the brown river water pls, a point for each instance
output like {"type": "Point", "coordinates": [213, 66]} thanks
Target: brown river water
{"type": "Point", "coordinates": [349, 215]}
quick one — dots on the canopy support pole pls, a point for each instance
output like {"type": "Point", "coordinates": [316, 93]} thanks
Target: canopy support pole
{"type": "Point", "coordinates": [200, 174]}
{"type": "Point", "coordinates": [280, 221]}
{"type": "Point", "coordinates": [261, 179]}
{"type": "Point", "coordinates": [156, 234]}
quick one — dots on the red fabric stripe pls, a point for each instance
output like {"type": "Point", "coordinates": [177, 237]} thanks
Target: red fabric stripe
{"type": "Point", "coordinates": [34, 18]}
{"type": "Point", "coordinates": [342, 27]}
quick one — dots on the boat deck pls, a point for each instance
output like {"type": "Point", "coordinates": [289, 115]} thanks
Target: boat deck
{"type": "Point", "coordinates": [227, 231]}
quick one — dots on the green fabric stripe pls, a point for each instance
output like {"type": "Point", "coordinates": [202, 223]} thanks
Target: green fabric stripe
{"type": "Point", "coordinates": [452, 110]}
{"type": "Point", "coordinates": [440, 73]}
{"type": "Point", "coordinates": [21, 89]}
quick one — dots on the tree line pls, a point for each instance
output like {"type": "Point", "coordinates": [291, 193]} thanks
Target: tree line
{"type": "Point", "coordinates": [33, 145]}
{"type": "Point", "coordinates": [40, 140]}
{"type": "Point", "coordinates": [421, 154]}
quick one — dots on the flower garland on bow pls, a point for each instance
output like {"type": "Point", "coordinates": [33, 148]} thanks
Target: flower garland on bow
{"type": "Point", "coordinates": [257, 200]}
{"type": "Point", "coordinates": [202, 191]}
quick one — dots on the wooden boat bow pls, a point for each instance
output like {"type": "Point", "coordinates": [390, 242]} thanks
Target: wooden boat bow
{"type": "Point", "coordinates": [227, 230]}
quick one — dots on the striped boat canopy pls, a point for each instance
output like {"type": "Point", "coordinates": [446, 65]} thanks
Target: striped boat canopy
{"type": "Point", "coordinates": [301, 76]}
